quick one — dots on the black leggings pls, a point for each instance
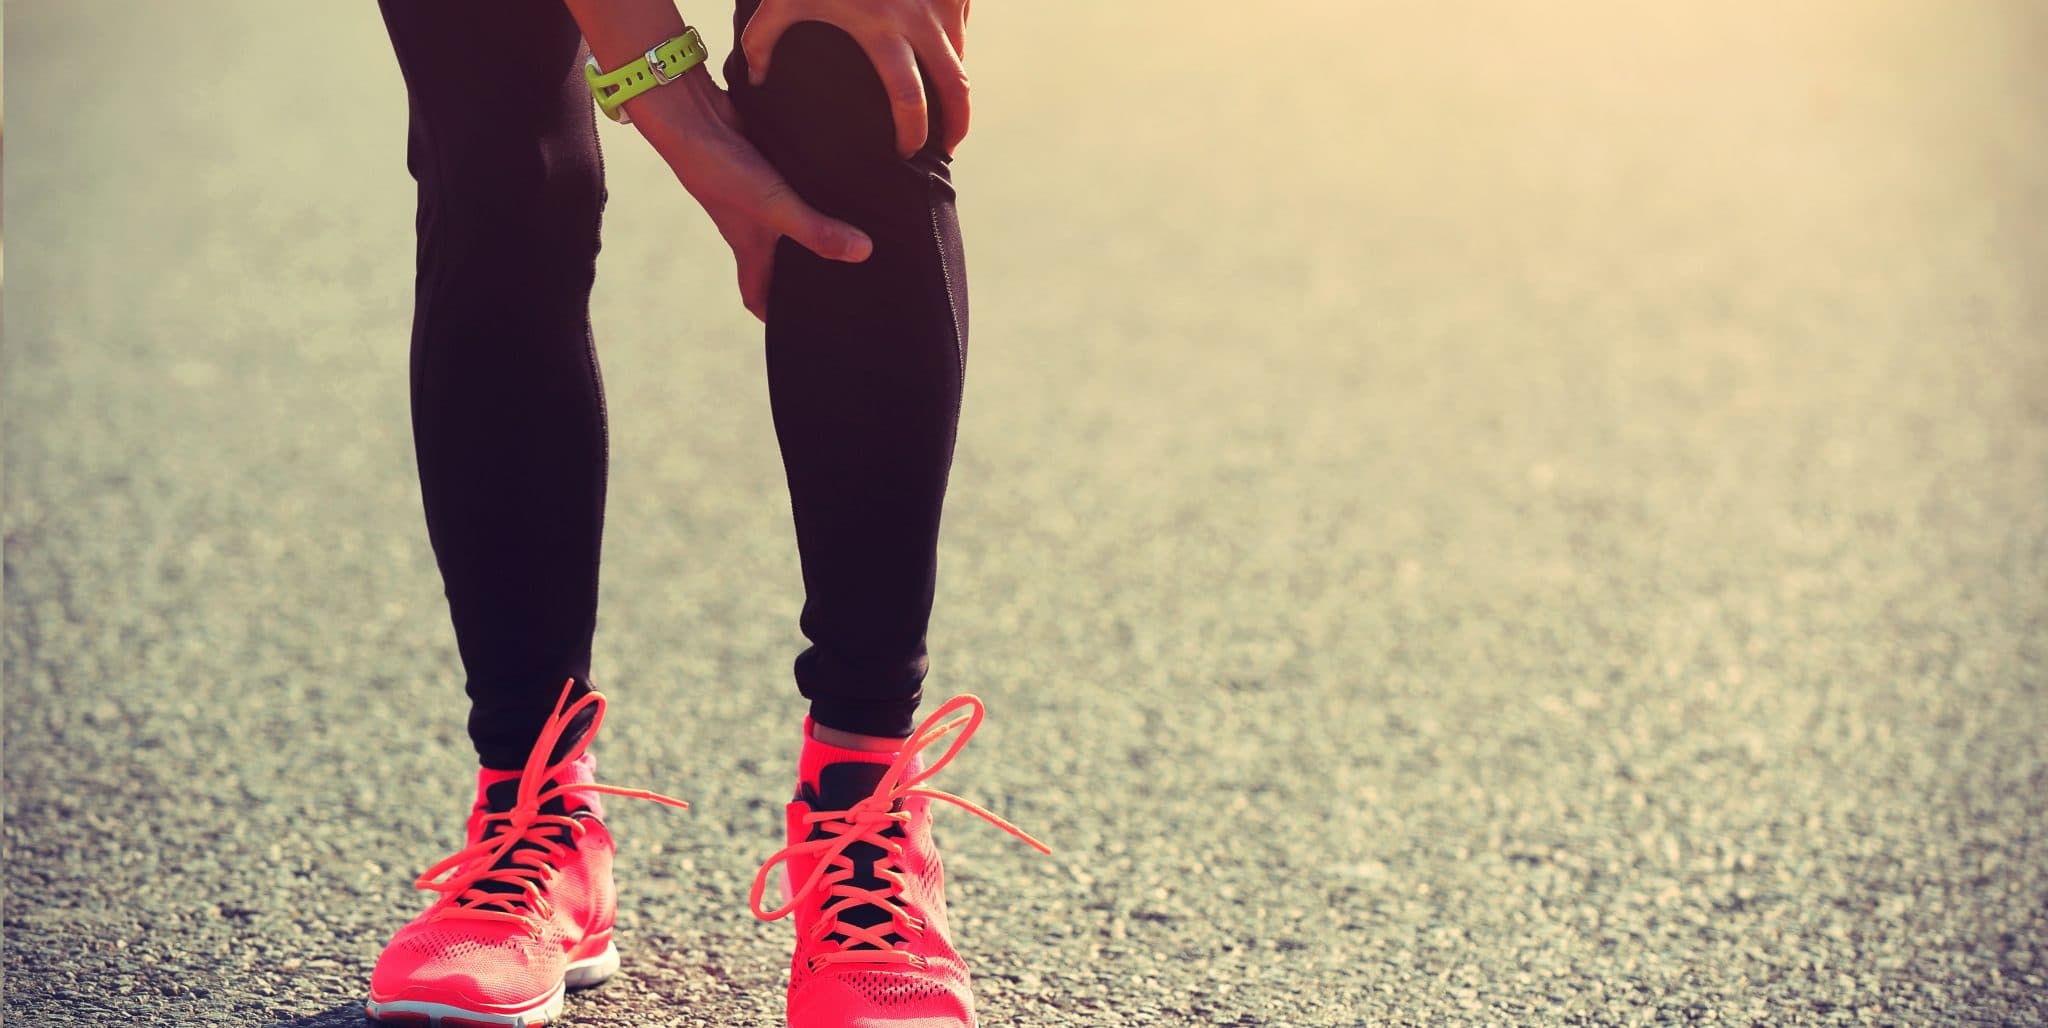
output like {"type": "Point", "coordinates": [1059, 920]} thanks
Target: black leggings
{"type": "Point", "coordinates": [864, 360]}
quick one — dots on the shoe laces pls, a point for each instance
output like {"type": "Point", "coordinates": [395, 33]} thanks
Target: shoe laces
{"type": "Point", "coordinates": [504, 874]}
{"type": "Point", "coordinates": [831, 881]}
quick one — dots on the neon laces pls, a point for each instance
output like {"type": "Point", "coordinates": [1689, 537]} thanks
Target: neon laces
{"type": "Point", "coordinates": [503, 876]}
{"type": "Point", "coordinates": [875, 821]}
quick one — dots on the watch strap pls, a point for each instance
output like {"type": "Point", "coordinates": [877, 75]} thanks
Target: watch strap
{"type": "Point", "coordinates": [657, 67]}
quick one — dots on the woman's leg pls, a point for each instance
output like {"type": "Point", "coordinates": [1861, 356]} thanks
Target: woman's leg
{"type": "Point", "coordinates": [508, 407]}
{"type": "Point", "coordinates": [865, 363]}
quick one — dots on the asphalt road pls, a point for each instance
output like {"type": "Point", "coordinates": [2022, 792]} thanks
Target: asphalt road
{"type": "Point", "coordinates": [1470, 512]}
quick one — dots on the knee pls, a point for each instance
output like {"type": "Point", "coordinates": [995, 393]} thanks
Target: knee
{"type": "Point", "coordinates": [508, 243]}
{"type": "Point", "coordinates": [825, 119]}
{"type": "Point", "coordinates": [497, 187]}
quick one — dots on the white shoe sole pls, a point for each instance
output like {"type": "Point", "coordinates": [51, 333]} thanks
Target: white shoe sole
{"type": "Point", "coordinates": [420, 1014]}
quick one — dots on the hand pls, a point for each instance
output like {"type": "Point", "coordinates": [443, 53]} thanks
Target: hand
{"type": "Point", "coordinates": [693, 126]}
{"type": "Point", "coordinates": [896, 35]}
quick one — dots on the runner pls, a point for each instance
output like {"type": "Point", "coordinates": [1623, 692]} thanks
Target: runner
{"type": "Point", "coordinates": [825, 168]}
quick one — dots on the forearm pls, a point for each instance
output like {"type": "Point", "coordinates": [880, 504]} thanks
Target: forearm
{"type": "Point", "coordinates": [620, 30]}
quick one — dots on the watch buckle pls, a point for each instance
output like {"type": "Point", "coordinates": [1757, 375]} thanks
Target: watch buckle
{"type": "Point", "coordinates": [655, 65]}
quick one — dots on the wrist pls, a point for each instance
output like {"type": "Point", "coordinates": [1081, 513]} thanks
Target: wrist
{"type": "Point", "coordinates": [677, 108]}
{"type": "Point", "coordinates": [618, 33]}
{"type": "Point", "coordinates": [664, 65]}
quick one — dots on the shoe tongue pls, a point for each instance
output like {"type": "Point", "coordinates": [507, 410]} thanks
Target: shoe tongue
{"type": "Point", "coordinates": [500, 797]}
{"type": "Point", "coordinates": [841, 785]}
{"type": "Point", "coordinates": [498, 791]}
{"type": "Point", "coordinates": [838, 786]}
{"type": "Point", "coordinates": [579, 726]}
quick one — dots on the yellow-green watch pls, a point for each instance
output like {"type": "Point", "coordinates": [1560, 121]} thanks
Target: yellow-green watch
{"type": "Point", "coordinates": [658, 67]}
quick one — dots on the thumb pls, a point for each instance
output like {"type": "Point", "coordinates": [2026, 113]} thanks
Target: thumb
{"type": "Point", "coordinates": [758, 39]}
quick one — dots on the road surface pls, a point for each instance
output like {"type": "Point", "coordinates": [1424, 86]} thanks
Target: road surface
{"type": "Point", "coordinates": [1472, 512]}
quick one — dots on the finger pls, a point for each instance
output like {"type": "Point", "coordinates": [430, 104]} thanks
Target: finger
{"type": "Point", "coordinates": [949, 86]}
{"type": "Point", "coordinates": [754, 272]}
{"type": "Point", "coordinates": [896, 62]}
{"type": "Point", "coordinates": [739, 177]}
{"type": "Point", "coordinates": [954, 21]}
{"type": "Point", "coordinates": [764, 29]}
{"type": "Point", "coordinates": [785, 212]}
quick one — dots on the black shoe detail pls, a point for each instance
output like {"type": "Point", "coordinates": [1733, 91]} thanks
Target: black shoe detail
{"type": "Point", "coordinates": [499, 798]}
{"type": "Point", "coordinates": [839, 787]}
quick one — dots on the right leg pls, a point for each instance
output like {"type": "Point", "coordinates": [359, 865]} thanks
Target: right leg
{"type": "Point", "coordinates": [508, 422]}
{"type": "Point", "coordinates": [508, 407]}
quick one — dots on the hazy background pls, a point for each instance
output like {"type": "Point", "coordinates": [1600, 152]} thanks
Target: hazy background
{"type": "Point", "coordinates": [1498, 512]}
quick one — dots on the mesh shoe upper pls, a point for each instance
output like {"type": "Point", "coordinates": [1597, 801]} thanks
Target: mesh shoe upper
{"type": "Point", "coordinates": [529, 894]}
{"type": "Point", "coordinates": [450, 954]}
{"type": "Point", "coordinates": [868, 887]}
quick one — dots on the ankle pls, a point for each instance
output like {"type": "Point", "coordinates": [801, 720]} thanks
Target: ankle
{"type": "Point", "coordinates": [855, 741]}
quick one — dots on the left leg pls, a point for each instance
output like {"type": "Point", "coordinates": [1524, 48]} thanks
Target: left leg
{"type": "Point", "coordinates": [865, 367]}
{"type": "Point", "coordinates": [865, 363]}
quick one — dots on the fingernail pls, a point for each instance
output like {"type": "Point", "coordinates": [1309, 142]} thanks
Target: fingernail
{"type": "Point", "coordinates": [858, 244]}
{"type": "Point", "coordinates": [755, 74]}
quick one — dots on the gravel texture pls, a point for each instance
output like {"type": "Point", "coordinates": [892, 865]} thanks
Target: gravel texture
{"type": "Point", "coordinates": [1466, 513]}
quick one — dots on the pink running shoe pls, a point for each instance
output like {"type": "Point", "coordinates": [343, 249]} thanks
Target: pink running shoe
{"type": "Point", "coordinates": [871, 937]}
{"type": "Point", "coordinates": [526, 908]}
